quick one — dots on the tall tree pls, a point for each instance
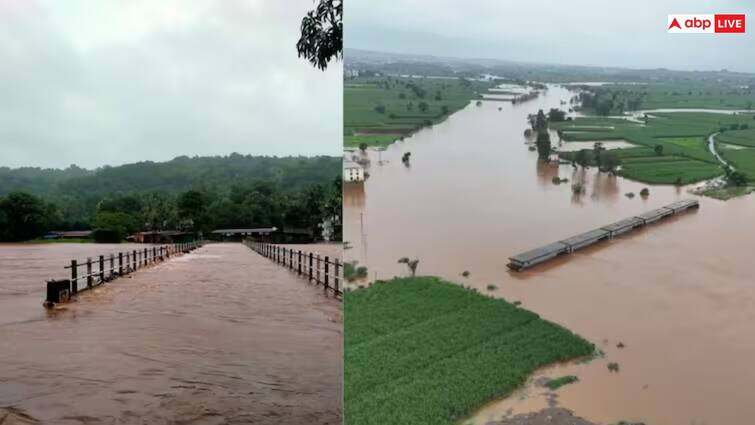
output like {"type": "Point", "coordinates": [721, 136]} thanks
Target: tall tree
{"type": "Point", "coordinates": [322, 34]}
{"type": "Point", "coordinates": [25, 216]}
{"type": "Point", "coordinates": [543, 144]}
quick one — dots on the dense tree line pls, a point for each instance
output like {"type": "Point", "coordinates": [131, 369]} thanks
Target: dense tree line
{"type": "Point", "coordinates": [192, 194]}
{"type": "Point", "coordinates": [606, 101]}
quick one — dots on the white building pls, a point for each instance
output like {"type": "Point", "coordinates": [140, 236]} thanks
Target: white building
{"type": "Point", "coordinates": [352, 172]}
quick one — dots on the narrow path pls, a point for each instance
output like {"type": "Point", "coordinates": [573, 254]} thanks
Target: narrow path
{"type": "Point", "coordinates": [218, 336]}
{"type": "Point", "coordinates": [712, 148]}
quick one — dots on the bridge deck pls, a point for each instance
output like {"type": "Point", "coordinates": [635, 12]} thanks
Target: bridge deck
{"type": "Point", "coordinates": [221, 335]}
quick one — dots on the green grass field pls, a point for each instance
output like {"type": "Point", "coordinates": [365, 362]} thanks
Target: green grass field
{"type": "Point", "coordinates": [683, 137]}
{"type": "Point", "coordinates": [742, 159]}
{"type": "Point", "coordinates": [739, 137]}
{"type": "Point", "coordinates": [380, 110]}
{"type": "Point", "coordinates": [699, 94]}
{"type": "Point", "coordinates": [425, 351]}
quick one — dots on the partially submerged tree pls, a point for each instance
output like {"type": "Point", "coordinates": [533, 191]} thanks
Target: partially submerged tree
{"type": "Point", "coordinates": [611, 162]}
{"type": "Point", "coordinates": [411, 264]}
{"type": "Point", "coordinates": [581, 158]}
{"type": "Point", "coordinates": [543, 144]}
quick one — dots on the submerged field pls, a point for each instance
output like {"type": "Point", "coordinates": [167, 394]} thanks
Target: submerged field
{"type": "Point", "coordinates": [673, 145]}
{"type": "Point", "coordinates": [425, 351]}
{"type": "Point", "coordinates": [379, 110]}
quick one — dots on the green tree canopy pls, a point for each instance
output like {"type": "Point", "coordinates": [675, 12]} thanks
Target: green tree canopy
{"type": "Point", "coordinates": [322, 34]}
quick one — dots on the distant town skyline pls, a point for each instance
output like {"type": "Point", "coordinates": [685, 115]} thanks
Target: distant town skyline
{"type": "Point", "coordinates": [611, 34]}
{"type": "Point", "coordinates": [97, 83]}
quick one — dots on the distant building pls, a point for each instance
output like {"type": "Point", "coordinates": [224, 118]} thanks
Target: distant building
{"type": "Point", "coordinates": [262, 233]}
{"type": "Point", "coordinates": [72, 234]}
{"type": "Point", "coordinates": [267, 234]}
{"type": "Point", "coordinates": [163, 236]}
{"type": "Point", "coordinates": [352, 172]}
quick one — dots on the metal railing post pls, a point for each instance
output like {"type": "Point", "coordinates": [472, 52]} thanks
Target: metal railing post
{"type": "Point", "coordinates": [327, 264]}
{"type": "Point", "coordinates": [318, 270]}
{"type": "Point", "coordinates": [336, 265]}
{"type": "Point", "coordinates": [102, 268]}
{"type": "Point", "coordinates": [89, 272]}
{"type": "Point", "coordinates": [310, 266]}
{"type": "Point", "coordinates": [74, 277]}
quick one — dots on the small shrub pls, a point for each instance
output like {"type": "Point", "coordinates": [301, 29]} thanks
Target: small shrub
{"type": "Point", "coordinates": [352, 272]}
{"type": "Point", "coordinates": [556, 383]}
{"type": "Point", "coordinates": [613, 367]}
{"type": "Point", "coordinates": [492, 287]}
{"type": "Point", "coordinates": [465, 273]}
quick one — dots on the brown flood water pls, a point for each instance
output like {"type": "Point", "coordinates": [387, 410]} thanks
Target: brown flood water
{"type": "Point", "coordinates": [218, 336]}
{"type": "Point", "coordinates": [679, 294]}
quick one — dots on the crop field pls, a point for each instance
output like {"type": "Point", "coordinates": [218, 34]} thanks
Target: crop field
{"type": "Point", "coordinates": [682, 136]}
{"type": "Point", "coordinates": [742, 159]}
{"type": "Point", "coordinates": [708, 95]}
{"type": "Point", "coordinates": [669, 170]}
{"type": "Point", "coordinates": [425, 351]}
{"type": "Point", "coordinates": [379, 110]}
{"type": "Point", "coordinates": [370, 139]}
{"type": "Point", "coordinates": [739, 137]}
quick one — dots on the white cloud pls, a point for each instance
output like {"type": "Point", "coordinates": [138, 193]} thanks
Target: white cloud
{"type": "Point", "coordinates": [590, 32]}
{"type": "Point", "coordinates": [94, 82]}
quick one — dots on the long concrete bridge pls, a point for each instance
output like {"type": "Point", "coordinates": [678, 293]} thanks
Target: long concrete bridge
{"type": "Point", "coordinates": [218, 335]}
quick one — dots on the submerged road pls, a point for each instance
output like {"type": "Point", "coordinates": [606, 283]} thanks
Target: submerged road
{"type": "Point", "coordinates": [218, 336]}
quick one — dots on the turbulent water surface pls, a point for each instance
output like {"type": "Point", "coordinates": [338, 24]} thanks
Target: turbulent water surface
{"type": "Point", "coordinates": [218, 336]}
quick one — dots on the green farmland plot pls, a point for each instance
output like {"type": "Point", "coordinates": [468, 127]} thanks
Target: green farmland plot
{"type": "Point", "coordinates": [669, 170]}
{"type": "Point", "coordinates": [682, 137]}
{"type": "Point", "coordinates": [739, 137]}
{"type": "Point", "coordinates": [742, 159]}
{"type": "Point", "coordinates": [425, 351]}
{"type": "Point", "coordinates": [379, 110]}
{"type": "Point", "coordinates": [677, 94]}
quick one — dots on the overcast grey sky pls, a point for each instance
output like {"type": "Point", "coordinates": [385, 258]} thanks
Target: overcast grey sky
{"type": "Point", "coordinates": [579, 32]}
{"type": "Point", "coordinates": [96, 82]}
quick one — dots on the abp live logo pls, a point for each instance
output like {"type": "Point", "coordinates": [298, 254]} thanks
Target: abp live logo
{"type": "Point", "coordinates": [706, 24]}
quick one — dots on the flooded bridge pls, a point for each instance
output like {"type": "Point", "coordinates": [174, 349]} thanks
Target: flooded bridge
{"type": "Point", "coordinates": [566, 246]}
{"type": "Point", "coordinates": [222, 335]}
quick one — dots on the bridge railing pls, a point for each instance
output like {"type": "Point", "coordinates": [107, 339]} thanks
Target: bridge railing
{"type": "Point", "coordinates": [105, 268]}
{"type": "Point", "coordinates": [322, 270]}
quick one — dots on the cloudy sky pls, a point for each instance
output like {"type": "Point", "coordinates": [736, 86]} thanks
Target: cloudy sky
{"type": "Point", "coordinates": [580, 32]}
{"type": "Point", "coordinates": [94, 82]}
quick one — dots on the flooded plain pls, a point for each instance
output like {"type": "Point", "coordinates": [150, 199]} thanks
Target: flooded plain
{"type": "Point", "coordinates": [218, 336]}
{"type": "Point", "coordinates": [672, 303]}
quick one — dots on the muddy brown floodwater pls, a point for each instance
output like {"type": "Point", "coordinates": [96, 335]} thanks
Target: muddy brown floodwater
{"type": "Point", "coordinates": [218, 336]}
{"type": "Point", "coordinates": [678, 295]}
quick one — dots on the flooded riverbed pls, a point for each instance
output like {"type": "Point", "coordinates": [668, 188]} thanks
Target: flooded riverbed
{"type": "Point", "coordinates": [677, 295]}
{"type": "Point", "coordinates": [218, 336]}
